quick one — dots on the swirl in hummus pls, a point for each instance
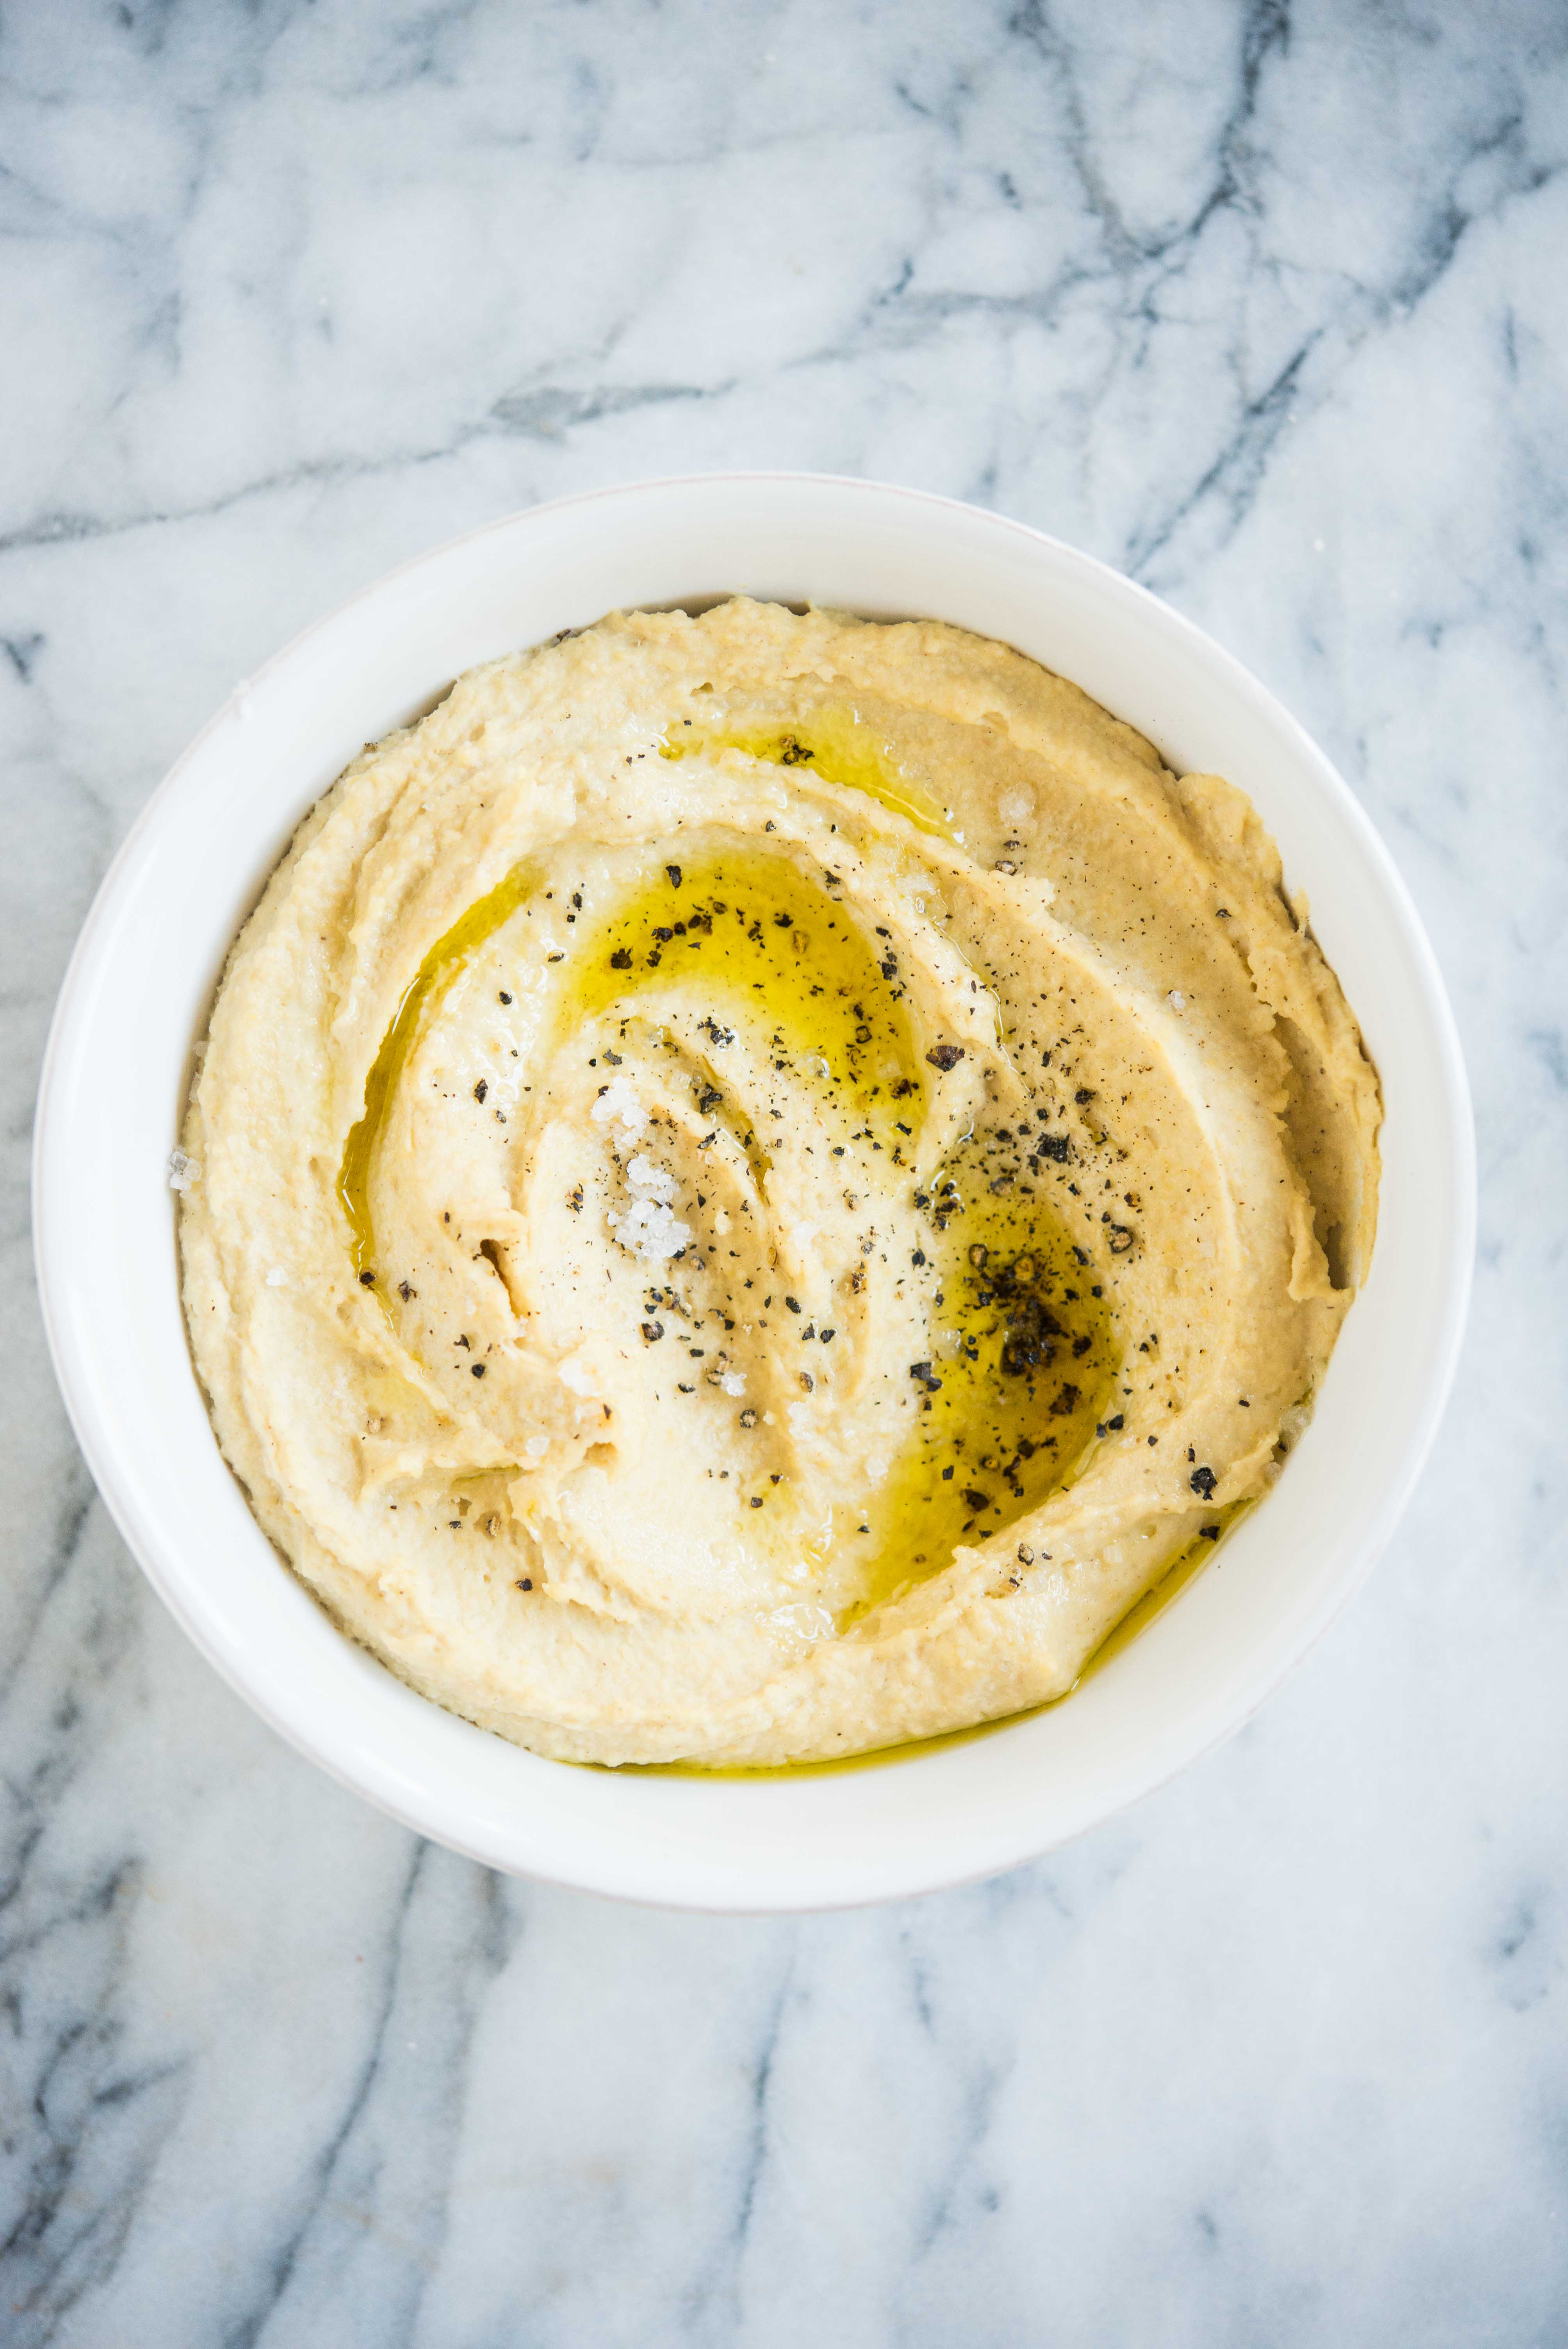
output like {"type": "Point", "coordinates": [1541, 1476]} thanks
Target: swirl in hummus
{"type": "Point", "coordinates": [758, 1180]}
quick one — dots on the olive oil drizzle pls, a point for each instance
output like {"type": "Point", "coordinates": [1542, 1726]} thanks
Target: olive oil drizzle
{"type": "Point", "coordinates": [1020, 1381]}
{"type": "Point", "coordinates": [1184, 1568]}
{"type": "Point", "coordinates": [783, 958]}
{"type": "Point", "coordinates": [838, 745]}
{"type": "Point", "coordinates": [429, 982]}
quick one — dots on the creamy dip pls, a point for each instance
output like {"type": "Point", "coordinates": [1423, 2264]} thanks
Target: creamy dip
{"type": "Point", "coordinates": [758, 1181]}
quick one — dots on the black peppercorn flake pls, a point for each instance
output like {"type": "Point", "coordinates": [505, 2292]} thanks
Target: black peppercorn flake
{"type": "Point", "coordinates": [368, 1281]}
{"type": "Point", "coordinates": [1204, 1481]}
{"type": "Point", "coordinates": [944, 1056]}
{"type": "Point", "coordinates": [481, 1088]}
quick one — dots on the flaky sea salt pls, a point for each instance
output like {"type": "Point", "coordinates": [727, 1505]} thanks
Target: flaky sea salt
{"type": "Point", "coordinates": [733, 1382]}
{"type": "Point", "coordinates": [277, 1277]}
{"type": "Point", "coordinates": [650, 1231]}
{"type": "Point", "coordinates": [650, 1181]}
{"type": "Point", "coordinates": [618, 1102]}
{"type": "Point", "coordinates": [1176, 1000]}
{"type": "Point", "coordinates": [182, 1171]}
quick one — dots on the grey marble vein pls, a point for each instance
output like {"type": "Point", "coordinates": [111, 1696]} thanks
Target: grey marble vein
{"type": "Point", "coordinates": [1264, 302]}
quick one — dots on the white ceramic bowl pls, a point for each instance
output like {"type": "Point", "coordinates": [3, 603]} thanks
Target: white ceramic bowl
{"type": "Point", "coordinates": [136, 996]}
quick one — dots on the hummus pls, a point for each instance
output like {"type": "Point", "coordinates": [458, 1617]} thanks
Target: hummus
{"type": "Point", "coordinates": [757, 1180]}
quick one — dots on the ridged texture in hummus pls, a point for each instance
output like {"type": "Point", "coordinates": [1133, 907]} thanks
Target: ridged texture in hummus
{"type": "Point", "coordinates": [757, 1180]}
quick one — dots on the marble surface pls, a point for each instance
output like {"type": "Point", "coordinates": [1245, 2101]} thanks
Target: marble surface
{"type": "Point", "coordinates": [1265, 304]}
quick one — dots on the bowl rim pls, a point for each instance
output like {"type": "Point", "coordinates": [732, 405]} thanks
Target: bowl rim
{"type": "Point", "coordinates": [387, 1788]}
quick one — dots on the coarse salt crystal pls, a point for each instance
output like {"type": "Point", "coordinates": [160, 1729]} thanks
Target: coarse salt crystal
{"type": "Point", "coordinates": [1176, 1000]}
{"type": "Point", "coordinates": [182, 1171]}
{"type": "Point", "coordinates": [620, 1102]}
{"type": "Point", "coordinates": [650, 1181]}
{"type": "Point", "coordinates": [733, 1382]}
{"type": "Point", "coordinates": [650, 1231]}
